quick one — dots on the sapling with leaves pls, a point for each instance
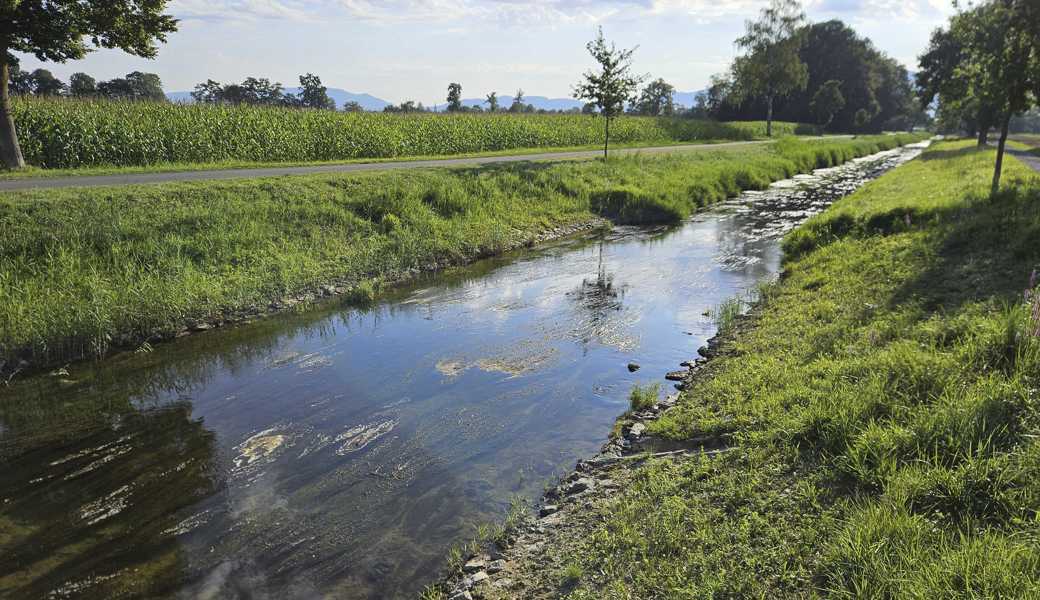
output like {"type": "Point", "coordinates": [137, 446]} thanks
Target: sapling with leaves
{"type": "Point", "coordinates": [612, 86]}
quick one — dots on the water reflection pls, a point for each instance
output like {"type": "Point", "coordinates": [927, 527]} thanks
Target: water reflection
{"type": "Point", "coordinates": [340, 452]}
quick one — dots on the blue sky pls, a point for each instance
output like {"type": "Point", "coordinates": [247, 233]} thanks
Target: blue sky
{"type": "Point", "coordinates": [412, 49]}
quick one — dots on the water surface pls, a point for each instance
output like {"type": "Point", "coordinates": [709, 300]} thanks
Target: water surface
{"type": "Point", "coordinates": [341, 451]}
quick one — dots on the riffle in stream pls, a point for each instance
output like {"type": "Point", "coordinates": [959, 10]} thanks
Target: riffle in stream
{"type": "Point", "coordinates": [340, 452]}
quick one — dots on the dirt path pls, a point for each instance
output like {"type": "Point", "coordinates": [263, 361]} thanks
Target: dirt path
{"type": "Point", "coordinates": [181, 176]}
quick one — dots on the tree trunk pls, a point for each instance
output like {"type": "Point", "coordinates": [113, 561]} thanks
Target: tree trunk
{"type": "Point", "coordinates": [606, 138]}
{"type": "Point", "coordinates": [984, 125]}
{"type": "Point", "coordinates": [769, 116]}
{"type": "Point", "coordinates": [10, 151]}
{"type": "Point", "coordinates": [1000, 152]}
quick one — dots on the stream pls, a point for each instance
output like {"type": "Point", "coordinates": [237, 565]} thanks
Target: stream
{"type": "Point", "coordinates": [340, 452]}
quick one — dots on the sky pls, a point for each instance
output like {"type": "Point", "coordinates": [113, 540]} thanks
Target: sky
{"type": "Point", "coordinates": [412, 49]}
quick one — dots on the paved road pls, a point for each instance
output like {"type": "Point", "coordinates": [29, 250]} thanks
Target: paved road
{"type": "Point", "coordinates": [145, 178]}
{"type": "Point", "coordinates": [1029, 159]}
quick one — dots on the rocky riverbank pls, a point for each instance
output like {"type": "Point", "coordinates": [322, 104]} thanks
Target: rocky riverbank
{"type": "Point", "coordinates": [527, 560]}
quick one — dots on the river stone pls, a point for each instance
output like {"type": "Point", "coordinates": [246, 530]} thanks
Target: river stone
{"type": "Point", "coordinates": [579, 486]}
{"type": "Point", "coordinates": [636, 430]}
{"type": "Point", "coordinates": [474, 565]}
{"type": "Point", "coordinates": [461, 595]}
{"type": "Point", "coordinates": [547, 510]}
{"type": "Point", "coordinates": [497, 566]}
{"type": "Point", "coordinates": [476, 579]}
{"type": "Point", "coordinates": [676, 375]}
{"type": "Point", "coordinates": [633, 367]}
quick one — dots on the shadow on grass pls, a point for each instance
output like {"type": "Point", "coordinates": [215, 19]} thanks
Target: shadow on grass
{"type": "Point", "coordinates": [986, 250]}
{"type": "Point", "coordinates": [948, 154]}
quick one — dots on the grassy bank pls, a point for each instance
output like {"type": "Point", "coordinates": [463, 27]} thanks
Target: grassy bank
{"type": "Point", "coordinates": [83, 270]}
{"type": "Point", "coordinates": [883, 405]}
{"type": "Point", "coordinates": [73, 133]}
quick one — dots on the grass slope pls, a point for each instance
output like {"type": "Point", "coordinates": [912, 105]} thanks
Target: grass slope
{"type": "Point", "coordinates": [883, 400]}
{"type": "Point", "coordinates": [83, 270]}
{"type": "Point", "coordinates": [62, 133]}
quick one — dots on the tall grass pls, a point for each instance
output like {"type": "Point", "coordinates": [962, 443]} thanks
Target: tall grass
{"type": "Point", "coordinates": [885, 410]}
{"type": "Point", "coordinates": [84, 269]}
{"type": "Point", "coordinates": [69, 133]}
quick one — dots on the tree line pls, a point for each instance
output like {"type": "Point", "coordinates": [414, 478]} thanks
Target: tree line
{"type": "Point", "coordinates": [983, 69]}
{"type": "Point", "coordinates": [260, 91]}
{"type": "Point", "coordinates": [822, 73]}
{"type": "Point", "coordinates": [41, 82]}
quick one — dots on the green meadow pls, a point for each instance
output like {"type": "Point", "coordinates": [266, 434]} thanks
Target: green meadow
{"type": "Point", "coordinates": [882, 403]}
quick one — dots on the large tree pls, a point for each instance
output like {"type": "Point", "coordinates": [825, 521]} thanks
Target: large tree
{"type": "Point", "coordinates": [986, 62]}
{"type": "Point", "coordinates": [135, 86]}
{"type": "Point", "coordinates": [454, 97]}
{"type": "Point", "coordinates": [81, 85]}
{"type": "Point", "coordinates": [62, 30]}
{"type": "Point", "coordinates": [312, 94]}
{"type": "Point", "coordinates": [771, 66]}
{"type": "Point", "coordinates": [492, 102]}
{"type": "Point", "coordinates": [657, 99]}
{"type": "Point", "coordinates": [612, 86]}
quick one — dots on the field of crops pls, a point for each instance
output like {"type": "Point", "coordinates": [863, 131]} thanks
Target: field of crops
{"type": "Point", "coordinates": [69, 133]}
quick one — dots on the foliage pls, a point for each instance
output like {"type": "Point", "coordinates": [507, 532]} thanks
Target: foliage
{"type": "Point", "coordinates": [83, 85]}
{"type": "Point", "coordinates": [827, 101]}
{"type": "Point", "coordinates": [67, 133]}
{"type": "Point", "coordinates": [81, 269]}
{"type": "Point", "coordinates": [882, 410]}
{"type": "Point", "coordinates": [985, 67]}
{"type": "Point", "coordinates": [135, 86]}
{"type": "Point", "coordinates": [256, 91]}
{"type": "Point", "coordinates": [656, 100]}
{"type": "Point", "coordinates": [831, 51]}
{"type": "Point", "coordinates": [454, 97]}
{"type": "Point", "coordinates": [56, 31]}
{"type": "Point", "coordinates": [771, 67]}
{"type": "Point", "coordinates": [613, 86]}
{"type": "Point", "coordinates": [643, 397]}
{"type": "Point", "coordinates": [312, 94]}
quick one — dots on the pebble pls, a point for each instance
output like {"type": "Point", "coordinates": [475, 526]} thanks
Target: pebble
{"type": "Point", "coordinates": [461, 595]}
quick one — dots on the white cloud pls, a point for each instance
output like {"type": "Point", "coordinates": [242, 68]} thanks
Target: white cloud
{"type": "Point", "coordinates": [296, 10]}
{"type": "Point", "coordinates": [536, 12]}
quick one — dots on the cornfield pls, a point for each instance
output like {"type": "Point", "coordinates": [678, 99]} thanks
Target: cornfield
{"type": "Point", "coordinates": [69, 133]}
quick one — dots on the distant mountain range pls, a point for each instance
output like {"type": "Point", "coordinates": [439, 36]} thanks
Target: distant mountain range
{"type": "Point", "coordinates": [372, 103]}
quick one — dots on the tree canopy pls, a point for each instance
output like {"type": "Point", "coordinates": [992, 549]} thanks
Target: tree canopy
{"type": "Point", "coordinates": [612, 86]}
{"type": "Point", "coordinates": [771, 66]}
{"type": "Point", "coordinates": [877, 89]}
{"type": "Point", "coordinates": [62, 30]}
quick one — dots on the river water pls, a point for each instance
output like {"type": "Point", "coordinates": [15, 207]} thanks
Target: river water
{"type": "Point", "coordinates": [340, 452]}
